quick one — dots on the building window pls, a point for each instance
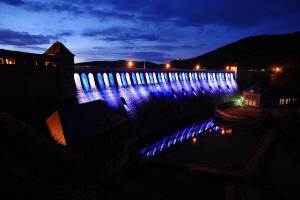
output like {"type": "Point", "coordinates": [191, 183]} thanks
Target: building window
{"type": "Point", "coordinates": [1, 61]}
{"type": "Point", "coordinates": [47, 63]}
{"type": "Point", "coordinates": [10, 61]}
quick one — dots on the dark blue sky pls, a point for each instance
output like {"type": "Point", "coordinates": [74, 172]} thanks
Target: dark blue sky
{"type": "Point", "coordinates": [158, 30]}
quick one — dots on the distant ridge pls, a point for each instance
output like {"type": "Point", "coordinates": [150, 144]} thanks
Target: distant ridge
{"type": "Point", "coordinates": [119, 64]}
{"type": "Point", "coordinates": [255, 52]}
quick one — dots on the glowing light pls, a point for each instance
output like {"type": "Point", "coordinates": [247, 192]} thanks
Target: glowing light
{"type": "Point", "coordinates": [168, 66]}
{"type": "Point", "coordinates": [130, 64]}
{"type": "Point", "coordinates": [194, 140]}
{"type": "Point", "coordinates": [197, 67]}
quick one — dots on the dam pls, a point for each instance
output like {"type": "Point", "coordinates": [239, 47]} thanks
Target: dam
{"type": "Point", "coordinates": [128, 88]}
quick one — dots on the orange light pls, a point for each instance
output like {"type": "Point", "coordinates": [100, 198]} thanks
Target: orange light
{"type": "Point", "coordinates": [222, 132]}
{"type": "Point", "coordinates": [227, 67]}
{"type": "Point", "coordinates": [168, 65]}
{"type": "Point", "coordinates": [194, 140]}
{"type": "Point", "coordinates": [130, 64]}
{"type": "Point", "coordinates": [197, 67]}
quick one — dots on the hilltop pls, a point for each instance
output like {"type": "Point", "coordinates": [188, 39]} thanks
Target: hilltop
{"type": "Point", "coordinates": [119, 64]}
{"type": "Point", "coordinates": [255, 52]}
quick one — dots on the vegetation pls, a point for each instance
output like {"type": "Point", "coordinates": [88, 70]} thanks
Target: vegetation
{"type": "Point", "coordinates": [258, 52]}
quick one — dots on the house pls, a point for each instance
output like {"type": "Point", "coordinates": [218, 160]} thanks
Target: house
{"type": "Point", "coordinates": [263, 95]}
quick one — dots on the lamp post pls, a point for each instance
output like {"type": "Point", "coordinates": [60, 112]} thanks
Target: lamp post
{"type": "Point", "coordinates": [168, 65]}
{"type": "Point", "coordinates": [130, 64]}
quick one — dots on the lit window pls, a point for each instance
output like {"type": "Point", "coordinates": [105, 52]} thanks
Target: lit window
{"type": "Point", "coordinates": [1, 61]}
{"type": "Point", "coordinates": [47, 63]}
{"type": "Point", "coordinates": [10, 61]}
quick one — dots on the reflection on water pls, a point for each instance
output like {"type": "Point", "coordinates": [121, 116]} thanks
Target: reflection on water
{"type": "Point", "coordinates": [180, 136]}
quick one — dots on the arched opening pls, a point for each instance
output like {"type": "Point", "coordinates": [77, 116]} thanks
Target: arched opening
{"type": "Point", "coordinates": [100, 80]}
{"type": "Point", "coordinates": [170, 77]}
{"type": "Point", "coordinates": [85, 81]}
{"type": "Point", "coordinates": [106, 81]}
{"type": "Point", "coordinates": [159, 77]}
{"type": "Point", "coordinates": [147, 78]}
{"type": "Point", "coordinates": [123, 78]}
{"type": "Point", "coordinates": [92, 81]}
{"type": "Point", "coordinates": [154, 77]}
{"type": "Point", "coordinates": [180, 76]}
{"type": "Point", "coordinates": [119, 81]}
{"type": "Point", "coordinates": [77, 81]}
{"type": "Point", "coordinates": [173, 77]}
{"type": "Point", "coordinates": [190, 76]}
{"type": "Point", "coordinates": [166, 77]}
{"type": "Point", "coordinates": [142, 78]}
{"type": "Point", "coordinates": [138, 79]}
{"type": "Point", "coordinates": [134, 79]}
{"type": "Point", "coordinates": [128, 79]}
{"type": "Point", "coordinates": [111, 79]}
{"type": "Point", "coordinates": [151, 78]}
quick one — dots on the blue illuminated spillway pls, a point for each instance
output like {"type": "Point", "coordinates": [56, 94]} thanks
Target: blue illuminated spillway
{"type": "Point", "coordinates": [181, 136]}
{"type": "Point", "coordinates": [129, 89]}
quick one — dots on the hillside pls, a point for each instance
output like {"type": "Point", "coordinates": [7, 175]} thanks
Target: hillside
{"type": "Point", "coordinates": [250, 53]}
{"type": "Point", "coordinates": [118, 64]}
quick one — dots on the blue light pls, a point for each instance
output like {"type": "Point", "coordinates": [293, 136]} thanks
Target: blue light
{"type": "Point", "coordinates": [142, 78]}
{"type": "Point", "coordinates": [166, 77]}
{"type": "Point", "coordinates": [85, 82]}
{"type": "Point", "coordinates": [159, 77]}
{"type": "Point", "coordinates": [173, 77]}
{"type": "Point", "coordinates": [193, 76]}
{"type": "Point", "coordinates": [111, 79]}
{"type": "Point", "coordinates": [180, 76]}
{"type": "Point", "coordinates": [151, 78]}
{"type": "Point", "coordinates": [100, 80]}
{"type": "Point", "coordinates": [133, 79]}
{"type": "Point", "coordinates": [123, 79]}
{"type": "Point", "coordinates": [186, 76]}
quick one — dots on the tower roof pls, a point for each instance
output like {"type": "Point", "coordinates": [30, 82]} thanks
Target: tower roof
{"type": "Point", "coordinates": [58, 48]}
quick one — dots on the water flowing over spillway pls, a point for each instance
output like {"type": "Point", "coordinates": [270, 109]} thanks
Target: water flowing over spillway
{"type": "Point", "coordinates": [128, 89]}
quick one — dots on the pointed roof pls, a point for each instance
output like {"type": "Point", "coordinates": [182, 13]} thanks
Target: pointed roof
{"type": "Point", "coordinates": [58, 48]}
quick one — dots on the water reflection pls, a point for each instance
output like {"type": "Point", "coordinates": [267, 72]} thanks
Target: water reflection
{"type": "Point", "coordinates": [190, 133]}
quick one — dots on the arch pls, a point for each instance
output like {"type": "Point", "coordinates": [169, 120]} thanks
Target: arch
{"type": "Point", "coordinates": [180, 76]}
{"type": "Point", "coordinates": [176, 76]}
{"type": "Point", "coordinates": [193, 76]}
{"type": "Point", "coordinates": [147, 78]}
{"type": "Point", "coordinates": [173, 77]}
{"type": "Point", "coordinates": [142, 78]}
{"type": "Point", "coordinates": [151, 78]}
{"type": "Point", "coordinates": [166, 76]}
{"type": "Point", "coordinates": [85, 81]}
{"type": "Point", "coordinates": [159, 77]}
{"type": "Point", "coordinates": [100, 80]}
{"type": "Point", "coordinates": [199, 75]}
{"type": "Point", "coordinates": [106, 81]}
{"type": "Point", "coordinates": [186, 76]}
{"type": "Point", "coordinates": [134, 79]}
{"type": "Point", "coordinates": [170, 77]}
{"type": "Point", "coordinates": [128, 78]}
{"type": "Point", "coordinates": [92, 80]}
{"type": "Point", "coordinates": [204, 75]}
{"type": "Point", "coordinates": [77, 81]}
{"type": "Point", "coordinates": [111, 79]}
{"type": "Point", "coordinates": [223, 78]}
{"type": "Point", "coordinates": [190, 76]}
{"type": "Point", "coordinates": [119, 81]}
{"type": "Point", "coordinates": [138, 78]}
{"type": "Point", "coordinates": [154, 77]}
{"type": "Point", "coordinates": [123, 78]}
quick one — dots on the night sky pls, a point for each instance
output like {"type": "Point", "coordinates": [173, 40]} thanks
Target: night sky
{"type": "Point", "coordinates": [157, 30]}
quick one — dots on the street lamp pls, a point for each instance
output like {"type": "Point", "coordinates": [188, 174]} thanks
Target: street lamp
{"type": "Point", "coordinates": [197, 67]}
{"type": "Point", "coordinates": [168, 65]}
{"type": "Point", "coordinates": [130, 64]}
